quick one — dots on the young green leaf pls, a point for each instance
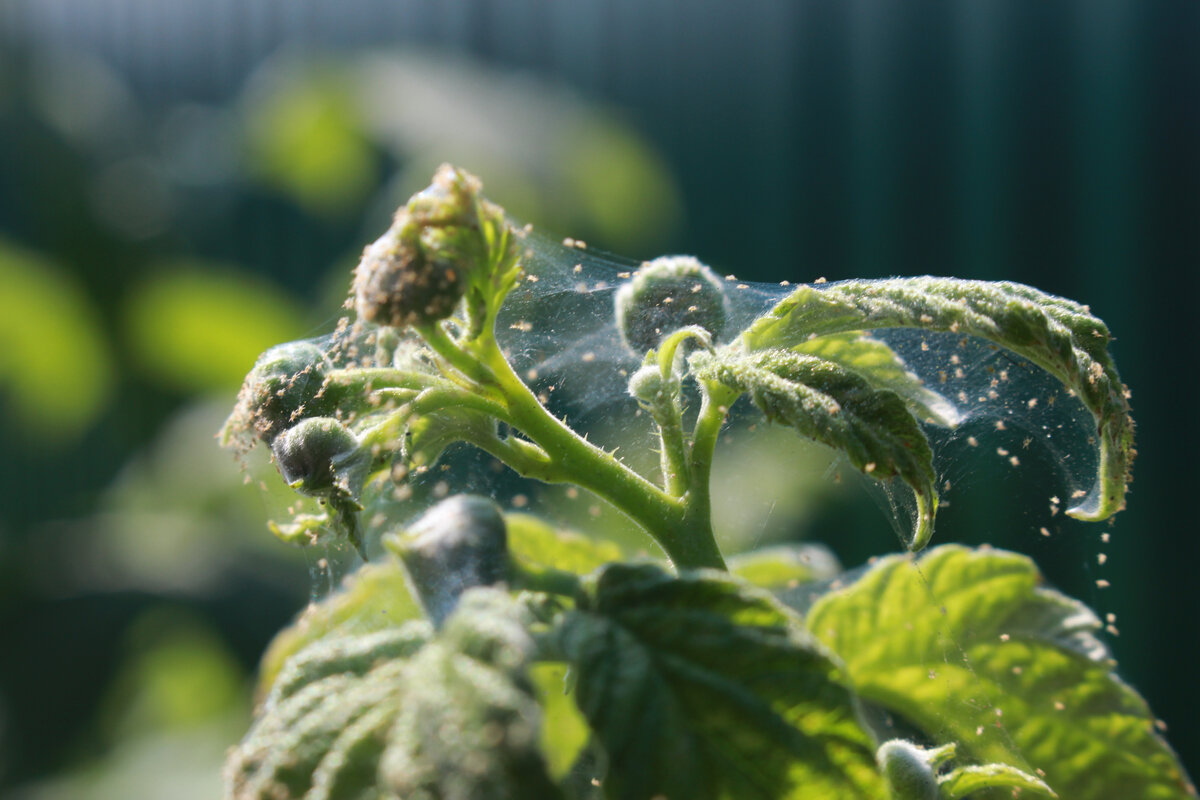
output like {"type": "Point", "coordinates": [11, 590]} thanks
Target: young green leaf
{"type": "Point", "coordinates": [825, 401]}
{"type": "Point", "coordinates": [537, 544]}
{"type": "Point", "coordinates": [785, 566]}
{"type": "Point", "coordinates": [965, 781]}
{"type": "Point", "coordinates": [374, 598]}
{"type": "Point", "coordinates": [294, 734]}
{"type": "Point", "coordinates": [468, 726]}
{"type": "Point", "coordinates": [390, 715]}
{"type": "Point", "coordinates": [699, 686]}
{"type": "Point", "coordinates": [565, 732]}
{"type": "Point", "coordinates": [966, 645]}
{"type": "Point", "coordinates": [884, 369]}
{"type": "Point", "coordinates": [1058, 335]}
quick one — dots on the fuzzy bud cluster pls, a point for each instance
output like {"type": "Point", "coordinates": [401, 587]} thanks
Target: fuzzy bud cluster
{"type": "Point", "coordinates": [418, 271]}
{"type": "Point", "coordinates": [666, 294]}
{"type": "Point", "coordinates": [286, 384]}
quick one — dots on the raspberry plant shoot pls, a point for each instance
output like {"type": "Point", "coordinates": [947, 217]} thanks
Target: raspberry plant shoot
{"type": "Point", "coordinates": [489, 654]}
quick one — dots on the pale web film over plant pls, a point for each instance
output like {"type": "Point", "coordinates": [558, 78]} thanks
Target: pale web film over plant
{"type": "Point", "coordinates": [903, 622]}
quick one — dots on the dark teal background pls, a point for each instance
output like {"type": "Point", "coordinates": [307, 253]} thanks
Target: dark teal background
{"type": "Point", "coordinates": [1052, 143]}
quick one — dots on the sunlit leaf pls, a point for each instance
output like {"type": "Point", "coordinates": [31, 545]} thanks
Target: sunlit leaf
{"type": "Point", "coordinates": [698, 686]}
{"type": "Point", "coordinates": [564, 730]}
{"type": "Point", "coordinates": [1058, 335]}
{"type": "Point", "coordinates": [785, 566]}
{"type": "Point", "coordinates": [967, 646]}
{"type": "Point", "coordinates": [539, 544]}
{"type": "Point", "coordinates": [965, 781]}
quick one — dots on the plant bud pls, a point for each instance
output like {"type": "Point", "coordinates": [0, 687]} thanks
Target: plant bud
{"type": "Point", "coordinates": [317, 457]}
{"type": "Point", "coordinates": [666, 294]}
{"type": "Point", "coordinates": [648, 386]}
{"type": "Point", "coordinates": [285, 384]}
{"type": "Point", "coordinates": [460, 543]}
{"type": "Point", "coordinates": [907, 770]}
{"type": "Point", "coordinates": [417, 272]}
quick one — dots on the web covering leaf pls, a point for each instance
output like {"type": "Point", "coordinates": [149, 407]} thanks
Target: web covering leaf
{"type": "Point", "coordinates": [693, 685]}
{"type": "Point", "coordinates": [968, 647]}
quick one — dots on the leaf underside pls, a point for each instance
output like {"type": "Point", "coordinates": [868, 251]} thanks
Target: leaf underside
{"type": "Point", "coordinates": [697, 686]}
{"type": "Point", "coordinates": [825, 401]}
{"type": "Point", "coordinates": [1058, 335]}
{"type": "Point", "coordinates": [967, 646]}
{"type": "Point", "coordinates": [883, 367]}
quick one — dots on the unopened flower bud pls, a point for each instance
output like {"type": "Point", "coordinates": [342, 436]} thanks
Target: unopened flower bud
{"type": "Point", "coordinates": [285, 385]}
{"type": "Point", "coordinates": [417, 272]}
{"type": "Point", "coordinates": [665, 295]}
{"type": "Point", "coordinates": [648, 386]}
{"type": "Point", "coordinates": [460, 543]}
{"type": "Point", "coordinates": [908, 771]}
{"type": "Point", "coordinates": [319, 457]}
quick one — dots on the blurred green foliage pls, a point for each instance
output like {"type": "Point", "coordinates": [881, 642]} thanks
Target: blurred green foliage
{"type": "Point", "coordinates": [55, 363]}
{"type": "Point", "coordinates": [306, 140]}
{"type": "Point", "coordinates": [194, 326]}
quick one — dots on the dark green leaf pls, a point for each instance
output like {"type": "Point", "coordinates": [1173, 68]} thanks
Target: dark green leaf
{"type": "Point", "coordinates": [699, 686]}
{"type": "Point", "coordinates": [967, 646]}
{"type": "Point", "coordinates": [1058, 335]}
{"type": "Point", "coordinates": [831, 404]}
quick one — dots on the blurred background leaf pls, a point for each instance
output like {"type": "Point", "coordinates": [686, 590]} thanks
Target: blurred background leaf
{"type": "Point", "coordinates": [55, 364]}
{"type": "Point", "coordinates": [197, 327]}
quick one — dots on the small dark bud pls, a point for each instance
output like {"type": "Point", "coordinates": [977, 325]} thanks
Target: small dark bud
{"type": "Point", "coordinates": [665, 295]}
{"type": "Point", "coordinates": [318, 457]}
{"type": "Point", "coordinates": [418, 271]}
{"type": "Point", "coordinates": [458, 544]}
{"type": "Point", "coordinates": [285, 385]}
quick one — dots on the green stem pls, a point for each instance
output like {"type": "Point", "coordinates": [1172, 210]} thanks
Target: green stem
{"type": "Point", "coordinates": [668, 417]}
{"type": "Point", "coordinates": [575, 460]}
{"type": "Point", "coordinates": [714, 409]}
{"type": "Point", "coordinates": [448, 349]}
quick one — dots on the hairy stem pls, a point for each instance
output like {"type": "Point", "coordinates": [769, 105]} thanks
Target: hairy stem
{"type": "Point", "coordinates": [714, 409]}
{"type": "Point", "coordinates": [574, 460]}
{"type": "Point", "coordinates": [676, 472]}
